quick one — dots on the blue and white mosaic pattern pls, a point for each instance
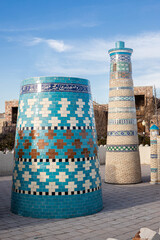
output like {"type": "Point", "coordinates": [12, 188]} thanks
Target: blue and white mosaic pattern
{"type": "Point", "coordinates": [120, 58]}
{"type": "Point", "coordinates": [121, 98]}
{"type": "Point", "coordinates": [122, 121]}
{"type": "Point", "coordinates": [122, 133]}
{"type": "Point", "coordinates": [122, 110]}
{"type": "Point", "coordinates": [55, 87]}
{"type": "Point", "coordinates": [120, 88]}
{"type": "Point", "coordinates": [56, 163]}
{"type": "Point", "coordinates": [154, 155]}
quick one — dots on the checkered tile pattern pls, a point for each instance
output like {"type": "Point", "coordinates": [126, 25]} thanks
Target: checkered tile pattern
{"type": "Point", "coordinates": [122, 148]}
{"type": "Point", "coordinates": [120, 58]}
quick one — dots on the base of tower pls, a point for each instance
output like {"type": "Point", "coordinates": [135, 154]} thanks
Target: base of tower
{"type": "Point", "coordinates": [113, 183]}
{"type": "Point", "coordinates": [56, 206]}
{"type": "Point", "coordinates": [122, 168]}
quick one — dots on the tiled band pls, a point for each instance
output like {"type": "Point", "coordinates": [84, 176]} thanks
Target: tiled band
{"type": "Point", "coordinates": [122, 148]}
{"type": "Point", "coordinates": [57, 193]}
{"type": "Point", "coordinates": [120, 88]}
{"type": "Point", "coordinates": [55, 128]}
{"type": "Point", "coordinates": [154, 155]}
{"type": "Point", "coordinates": [55, 87]}
{"type": "Point", "coordinates": [122, 133]}
{"type": "Point", "coordinates": [154, 170]}
{"type": "Point", "coordinates": [122, 121]}
{"type": "Point", "coordinates": [120, 58]}
{"type": "Point", "coordinates": [55, 160]}
{"type": "Point", "coordinates": [122, 110]}
{"type": "Point", "coordinates": [121, 98]}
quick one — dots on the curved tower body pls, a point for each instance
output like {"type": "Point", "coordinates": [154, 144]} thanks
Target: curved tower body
{"type": "Point", "coordinates": [122, 157]}
{"type": "Point", "coordinates": [56, 172]}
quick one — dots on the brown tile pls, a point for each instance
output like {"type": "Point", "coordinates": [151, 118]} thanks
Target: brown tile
{"type": "Point", "coordinates": [60, 144]}
{"type": "Point", "coordinates": [77, 143]}
{"type": "Point", "coordinates": [34, 153]}
{"type": "Point", "coordinates": [70, 153]}
{"type": "Point", "coordinates": [51, 153]}
{"type": "Point", "coordinates": [83, 133]}
{"type": "Point", "coordinates": [26, 144]}
{"type": "Point", "coordinates": [41, 144]}
{"type": "Point", "coordinates": [20, 153]}
{"type": "Point", "coordinates": [68, 134]}
{"type": "Point", "coordinates": [17, 145]}
{"type": "Point", "coordinates": [21, 134]}
{"type": "Point", "coordinates": [50, 134]}
{"type": "Point", "coordinates": [90, 142]}
{"type": "Point", "coordinates": [34, 134]}
{"type": "Point", "coordinates": [95, 151]}
{"type": "Point", "coordinates": [85, 152]}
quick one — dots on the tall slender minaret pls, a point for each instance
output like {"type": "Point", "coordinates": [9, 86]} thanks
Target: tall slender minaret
{"type": "Point", "coordinates": [122, 157]}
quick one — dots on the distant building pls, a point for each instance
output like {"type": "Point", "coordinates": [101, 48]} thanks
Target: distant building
{"type": "Point", "coordinates": [11, 112]}
{"type": "Point", "coordinates": [2, 120]}
{"type": "Point", "coordinates": [144, 101]}
{"type": "Point", "coordinates": [101, 119]}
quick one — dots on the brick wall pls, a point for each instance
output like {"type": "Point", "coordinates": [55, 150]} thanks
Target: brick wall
{"type": "Point", "coordinates": [8, 109]}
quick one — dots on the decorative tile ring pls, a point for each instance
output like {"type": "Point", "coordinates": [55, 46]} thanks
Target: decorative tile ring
{"type": "Point", "coordinates": [54, 160]}
{"type": "Point", "coordinates": [55, 87]}
{"type": "Point", "coordinates": [122, 148]}
{"type": "Point", "coordinates": [153, 155]}
{"type": "Point", "coordinates": [122, 133]}
{"type": "Point", "coordinates": [120, 58]}
{"type": "Point", "coordinates": [53, 193]}
{"type": "Point", "coordinates": [56, 128]}
{"type": "Point", "coordinates": [154, 170]}
{"type": "Point", "coordinates": [120, 88]}
{"type": "Point", "coordinates": [122, 121]}
{"type": "Point", "coordinates": [121, 98]}
{"type": "Point", "coordinates": [122, 110]}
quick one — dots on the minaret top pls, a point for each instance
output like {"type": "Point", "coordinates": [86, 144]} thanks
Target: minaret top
{"type": "Point", "coordinates": [120, 49]}
{"type": "Point", "coordinates": [120, 44]}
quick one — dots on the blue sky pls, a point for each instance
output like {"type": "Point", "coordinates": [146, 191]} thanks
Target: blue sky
{"type": "Point", "coordinates": [72, 38]}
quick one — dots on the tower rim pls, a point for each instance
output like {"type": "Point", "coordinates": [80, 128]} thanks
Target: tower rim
{"type": "Point", "coordinates": [120, 51]}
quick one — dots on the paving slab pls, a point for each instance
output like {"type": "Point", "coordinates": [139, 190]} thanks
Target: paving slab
{"type": "Point", "coordinates": [127, 208]}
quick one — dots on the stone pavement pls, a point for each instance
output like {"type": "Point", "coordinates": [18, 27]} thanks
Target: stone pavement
{"type": "Point", "coordinates": [127, 208]}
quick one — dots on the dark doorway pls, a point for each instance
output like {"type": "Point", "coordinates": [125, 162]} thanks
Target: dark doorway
{"type": "Point", "coordinates": [14, 114]}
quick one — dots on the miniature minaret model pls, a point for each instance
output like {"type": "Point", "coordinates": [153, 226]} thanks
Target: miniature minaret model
{"type": "Point", "coordinates": [122, 157]}
{"type": "Point", "coordinates": [154, 132]}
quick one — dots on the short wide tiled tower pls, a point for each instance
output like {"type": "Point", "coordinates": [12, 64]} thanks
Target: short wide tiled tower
{"type": "Point", "coordinates": [122, 157]}
{"type": "Point", "coordinates": [56, 172]}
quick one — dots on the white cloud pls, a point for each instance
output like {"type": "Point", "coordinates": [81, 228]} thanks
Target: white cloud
{"type": "Point", "coordinates": [89, 59]}
{"type": "Point", "coordinates": [57, 45]}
